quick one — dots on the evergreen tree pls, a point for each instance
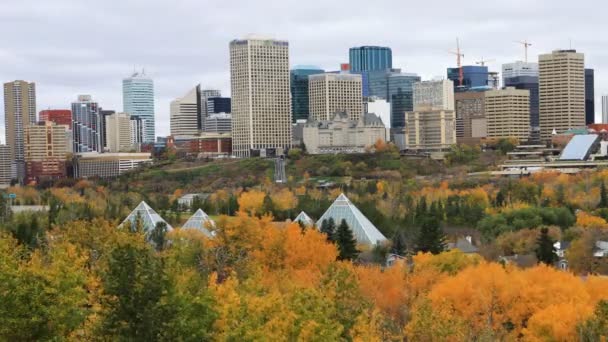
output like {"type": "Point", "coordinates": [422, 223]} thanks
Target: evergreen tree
{"type": "Point", "coordinates": [268, 206]}
{"type": "Point", "coordinates": [399, 246]}
{"type": "Point", "coordinates": [431, 237]}
{"type": "Point", "coordinates": [545, 251]}
{"type": "Point", "coordinates": [158, 236]}
{"type": "Point", "coordinates": [500, 199]}
{"type": "Point", "coordinates": [347, 245]}
{"type": "Point", "coordinates": [329, 228]}
{"type": "Point", "coordinates": [603, 196]}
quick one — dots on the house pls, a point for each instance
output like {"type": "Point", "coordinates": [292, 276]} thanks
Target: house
{"type": "Point", "coordinates": [464, 244]}
{"type": "Point", "coordinates": [187, 199]}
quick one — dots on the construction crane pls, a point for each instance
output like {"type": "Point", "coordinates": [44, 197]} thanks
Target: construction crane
{"type": "Point", "coordinates": [483, 62]}
{"type": "Point", "coordinates": [459, 56]}
{"type": "Point", "coordinates": [526, 45]}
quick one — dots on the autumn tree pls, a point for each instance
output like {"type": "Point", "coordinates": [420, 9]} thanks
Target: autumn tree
{"type": "Point", "coordinates": [596, 327]}
{"type": "Point", "coordinates": [158, 235]}
{"type": "Point", "coordinates": [431, 237]}
{"type": "Point", "coordinates": [251, 201]}
{"type": "Point", "coordinates": [603, 196]}
{"type": "Point", "coordinates": [545, 251]}
{"type": "Point", "coordinates": [347, 245]}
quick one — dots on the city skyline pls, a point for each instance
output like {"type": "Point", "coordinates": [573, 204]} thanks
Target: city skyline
{"type": "Point", "coordinates": [65, 65]}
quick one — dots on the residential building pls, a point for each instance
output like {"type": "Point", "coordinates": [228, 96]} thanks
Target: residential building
{"type": "Point", "coordinates": [434, 95]}
{"type": "Point", "coordinates": [118, 132]}
{"type": "Point", "coordinates": [366, 59]}
{"type": "Point", "coordinates": [561, 91]}
{"type": "Point", "coordinates": [5, 166]}
{"type": "Point", "coordinates": [261, 109]}
{"type": "Point", "coordinates": [58, 116]}
{"type": "Point", "coordinates": [473, 76]}
{"type": "Point", "coordinates": [430, 130]}
{"type": "Point", "coordinates": [331, 93]}
{"type": "Point", "coordinates": [605, 109]}
{"type": "Point", "coordinates": [185, 115]}
{"type": "Point", "coordinates": [19, 112]}
{"type": "Point", "coordinates": [299, 90]}
{"type": "Point", "coordinates": [87, 125]}
{"type": "Point", "coordinates": [218, 123]}
{"type": "Point", "coordinates": [138, 100]}
{"type": "Point", "coordinates": [342, 134]}
{"type": "Point", "coordinates": [589, 97]}
{"type": "Point", "coordinates": [218, 105]}
{"type": "Point", "coordinates": [508, 113]}
{"type": "Point", "coordinates": [471, 123]}
{"type": "Point", "coordinates": [107, 165]}
{"type": "Point", "coordinates": [46, 150]}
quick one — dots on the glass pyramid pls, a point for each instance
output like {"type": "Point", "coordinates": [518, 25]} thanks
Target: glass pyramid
{"type": "Point", "coordinates": [364, 231]}
{"type": "Point", "coordinates": [149, 217]}
{"type": "Point", "coordinates": [304, 219]}
{"type": "Point", "coordinates": [200, 221]}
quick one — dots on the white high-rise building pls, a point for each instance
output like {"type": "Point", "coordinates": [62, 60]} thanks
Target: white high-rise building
{"type": "Point", "coordinates": [138, 100]}
{"type": "Point", "coordinates": [331, 93]}
{"type": "Point", "coordinates": [259, 82]}
{"type": "Point", "coordinates": [605, 109]}
{"type": "Point", "coordinates": [561, 82]}
{"type": "Point", "coordinates": [184, 115]}
{"type": "Point", "coordinates": [434, 95]}
{"type": "Point", "coordinates": [118, 132]}
{"type": "Point", "coordinates": [519, 68]}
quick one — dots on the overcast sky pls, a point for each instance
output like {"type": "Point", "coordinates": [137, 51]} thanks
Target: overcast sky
{"type": "Point", "coordinates": [71, 47]}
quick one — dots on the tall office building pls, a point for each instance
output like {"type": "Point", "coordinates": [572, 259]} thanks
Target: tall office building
{"type": "Point", "coordinates": [561, 91]}
{"type": "Point", "coordinates": [508, 113]}
{"type": "Point", "coordinates": [370, 58]}
{"type": "Point", "coordinates": [261, 108]}
{"type": "Point", "coordinates": [136, 130]}
{"type": "Point", "coordinates": [5, 166]}
{"type": "Point", "coordinates": [299, 90]}
{"type": "Point", "coordinates": [522, 75]}
{"type": "Point", "coordinates": [185, 114]}
{"type": "Point", "coordinates": [216, 105]}
{"type": "Point", "coordinates": [19, 112]}
{"type": "Point", "coordinates": [103, 115]}
{"type": "Point", "coordinates": [118, 132]}
{"type": "Point", "coordinates": [473, 76]}
{"type": "Point", "coordinates": [396, 87]}
{"type": "Point", "coordinates": [471, 122]}
{"type": "Point", "coordinates": [87, 125]}
{"type": "Point", "coordinates": [589, 97]}
{"type": "Point", "coordinates": [46, 149]}
{"type": "Point", "coordinates": [203, 106]}
{"type": "Point", "coordinates": [434, 95]}
{"type": "Point", "coordinates": [138, 100]}
{"type": "Point", "coordinates": [58, 116]}
{"type": "Point", "coordinates": [605, 109]}
{"type": "Point", "coordinates": [332, 93]}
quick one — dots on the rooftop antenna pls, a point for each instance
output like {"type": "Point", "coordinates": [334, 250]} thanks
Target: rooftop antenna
{"type": "Point", "coordinates": [526, 44]}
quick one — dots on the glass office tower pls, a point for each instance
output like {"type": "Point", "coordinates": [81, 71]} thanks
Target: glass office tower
{"type": "Point", "coordinates": [365, 60]}
{"type": "Point", "coordinates": [138, 100]}
{"type": "Point", "coordinates": [473, 76]}
{"type": "Point", "coordinates": [589, 97]}
{"type": "Point", "coordinates": [299, 90]}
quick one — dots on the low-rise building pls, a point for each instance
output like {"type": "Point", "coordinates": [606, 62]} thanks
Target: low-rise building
{"type": "Point", "coordinates": [343, 135]}
{"type": "Point", "coordinates": [107, 165]}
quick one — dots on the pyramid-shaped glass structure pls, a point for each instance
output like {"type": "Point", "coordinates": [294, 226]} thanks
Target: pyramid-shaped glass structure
{"type": "Point", "coordinates": [200, 221]}
{"type": "Point", "coordinates": [304, 219]}
{"type": "Point", "coordinates": [364, 231]}
{"type": "Point", "coordinates": [149, 217]}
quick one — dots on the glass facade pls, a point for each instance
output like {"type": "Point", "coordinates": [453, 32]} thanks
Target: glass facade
{"type": "Point", "coordinates": [530, 83]}
{"type": "Point", "coordinates": [299, 91]}
{"type": "Point", "coordinates": [138, 100]}
{"type": "Point", "coordinates": [370, 58]}
{"type": "Point", "coordinates": [87, 125]}
{"type": "Point", "coordinates": [218, 105]}
{"type": "Point", "coordinates": [401, 96]}
{"type": "Point", "coordinates": [473, 76]}
{"type": "Point", "coordinates": [589, 97]}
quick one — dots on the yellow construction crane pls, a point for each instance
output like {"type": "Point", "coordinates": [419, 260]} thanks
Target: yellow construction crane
{"type": "Point", "coordinates": [526, 44]}
{"type": "Point", "coordinates": [483, 62]}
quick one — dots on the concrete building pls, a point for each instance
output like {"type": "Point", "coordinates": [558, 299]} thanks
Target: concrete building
{"type": "Point", "coordinates": [434, 95]}
{"type": "Point", "coordinates": [5, 166]}
{"type": "Point", "coordinates": [517, 69]}
{"type": "Point", "coordinates": [107, 165]}
{"type": "Point", "coordinates": [331, 93]}
{"type": "Point", "coordinates": [561, 91]}
{"type": "Point", "coordinates": [508, 113]}
{"type": "Point", "coordinates": [218, 123]}
{"type": "Point", "coordinates": [46, 150]}
{"type": "Point", "coordinates": [341, 134]}
{"type": "Point", "coordinates": [522, 75]}
{"type": "Point", "coordinates": [138, 100]}
{"type": "Point", "coordinates": [19, 112]}
{"type": "Point", "coordinates": [605, 109]}
{"type": "Point", "coordinates": [87, 125]}
{"type": "Point", "coordinates": [118, 132]}
{"type": "Point", "coordinates": [299, 90]}
{"type": "Point", "coordinates": [185, 114]}
{"type": "Point", "coordinates": [589, 97]}
{"type": "Point", "coordinates": [259, 82]}
{"type": "Point", "coordinates": [471, 123]}
{"type": "Point", "coordinates": [430, 130]}
{"type": "Point", "coordinates": [136, 131]}
{"type": "Point", "coordinates": [58, 116]}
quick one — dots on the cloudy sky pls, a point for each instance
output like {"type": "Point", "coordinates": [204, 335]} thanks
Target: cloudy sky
{"type": "Point", "coordinates": [71, 47]}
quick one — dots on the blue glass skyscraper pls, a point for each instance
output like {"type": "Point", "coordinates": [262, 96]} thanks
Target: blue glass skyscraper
{"type": "Point", "coordinates": [401, 96]}
{"type": "Point", "coordinates": [473, 76]}
{"type": "Point", "coordinates": [299, 90]}
{"type": "Point", "coordinates": [367, 59]}
{"type": "Point", "coordinates": [138, 100]}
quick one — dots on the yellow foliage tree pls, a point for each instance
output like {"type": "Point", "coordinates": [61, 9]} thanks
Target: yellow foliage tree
{"type": "Point", "coordinates": [251, 201]}
{"type": "Point", "coordinates": [284, 199]}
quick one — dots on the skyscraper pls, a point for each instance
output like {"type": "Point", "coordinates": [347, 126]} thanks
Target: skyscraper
{"type": "Point", "coordinates": [118, 132]}
{"type": "Point", "coordinates": [87, 125]}
{"type": "Point", "coordinates": [508, 113]}
{"type": "Point", "coordinates": [434, 95]}
{"type": "Point", "coordinates": [261, 109]}
{"type": "Point", "coordinates": [331, 93]}
{"type": "Point", "coordinates": [473, 76]}
{"type": "Point", "coordinates": [605, 109]}
{"type": "Point", "coordinates": [5, 166]}
{"type": "Point", "coordinates": [58, 116]}
{"type": "Point", "coordinates": [203, 109]}
{"type": "Point", "coordinates": [395, 87]}
{"type": "Point", "coordinates": [561, 91]}
{"type": "Point", "coordinates": [19, 112]}
{"type": "Point", "coordinates": [46, 150]}
{"type": "Point", "coordinates": [522, 75]}
{"type": "Point", "coordinates": [370, 58]}
{"type": "Point", "coordinates": [299, 90]}
{"type": "Point", "coordinates": [185, 114]}
{"type": "Point", "coordinates": [589, 97]}
{"type": "Point", "coordinates": [217, 105]}
{"type": "Point", "coordinates": [138, 100]}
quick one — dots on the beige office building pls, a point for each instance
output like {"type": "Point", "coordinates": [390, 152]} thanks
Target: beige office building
{"type": "Point", "coordinates": [508, 113]}
{"type": "Point", "coordinates": [261, 108]}
{"type": "Point", "coordinates": [108, 165]}
{"type": "Point", "coordinates": [561, 91]}
{"type": "Point", "coordinates": [434, 95]}
{"type": "Point", "coordinates": [46, 140]}
{"type": "Point", "coordinates": [432, 130]}
{"type": "Point", "coordinates": [471, 123]}
{"type": "Point", "coordinates": [184, 115]}
{"type": "Point", "coordinates": [19, 112]}
{"type": "Point", "coordinates": [331, 93]}
{"type": "Point", "coordinates": [118, 132]}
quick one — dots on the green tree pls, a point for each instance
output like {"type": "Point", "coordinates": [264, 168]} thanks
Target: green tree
{"type": "Point", "coordinates": [158, 235]}
{"type": "Point", "coordinates": [545, 251]}
{"type": "Point", "coordinates": [347, 245]}
{"type": "Point", "coordinates": [328, 226]}
{"type": "Point", "coordinates": [399, 245]}
{"type": "Point", "coordinates": [431, 237]}
{"type": "Point", "coordinates": [603, 196]}
{"type": "Point", "coordinates": [596, 327]}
